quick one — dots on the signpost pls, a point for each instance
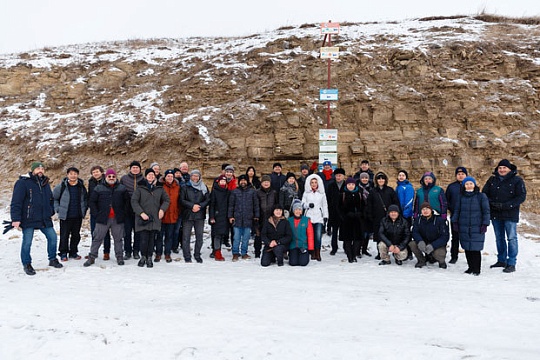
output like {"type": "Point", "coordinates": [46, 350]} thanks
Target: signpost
{"type": "Point", "coordinates": [329, 52]}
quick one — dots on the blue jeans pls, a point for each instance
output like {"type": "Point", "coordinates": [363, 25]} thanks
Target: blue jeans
{"type": "Point", "coordinates": [241, 236]}
{"type": "Point", "coordinates": [506, 253]}
{"type": "Point", "coordinates": [317, 234]}
{"type": "Point", "coordinates": [28, 235]}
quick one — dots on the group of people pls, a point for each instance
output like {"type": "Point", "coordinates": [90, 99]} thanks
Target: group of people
{"type": "Point", "coordinates": [153, 214]}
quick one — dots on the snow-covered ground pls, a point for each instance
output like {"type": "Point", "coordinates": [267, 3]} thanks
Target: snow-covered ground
{"type": "Point", "coordinates": [328, 310]}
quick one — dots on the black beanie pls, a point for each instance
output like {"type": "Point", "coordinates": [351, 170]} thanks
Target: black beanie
{"type": "Point", "coordinates": [148, 171]}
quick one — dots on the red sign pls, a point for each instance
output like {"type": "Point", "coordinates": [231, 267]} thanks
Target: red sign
{"type": "Point", "coordinates": [330, 28]}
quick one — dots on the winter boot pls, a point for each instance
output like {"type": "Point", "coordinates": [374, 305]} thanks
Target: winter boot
{"type": "Point", "coordinates": [149, 262]}
{"type": "Point", "coordinates": [55, 263]}
{"type": "Point", "coordinates": [29, 270]}
{"type": "Point", "coordinates": [157, 258]}
{"type": "Point", "coordinates": [89, 262]}
{"type": "Point", "coordinates": [106, 257]}
{"type": "Point", "coordinates": [168, 258]}
{"type": "Point", "coordinates": [218, 256]}
{"type": "Point", "coordinates": [318, 254]}
{"type": "Point", "coordinates": [136, 255]}
{"type": "Point", "coordinates": [142, 262]}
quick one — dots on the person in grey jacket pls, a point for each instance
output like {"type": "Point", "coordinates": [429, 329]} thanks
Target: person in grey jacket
{"type": "Point", "coordinates": [195, 199]}
{"type": "Point", "coordinates": [149, 204]}
{"type": "Point", "coordinates": [71, 205]}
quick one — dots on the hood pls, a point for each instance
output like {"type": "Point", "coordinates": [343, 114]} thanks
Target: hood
{"type": "Point", "coordinates": [428, 173]}
{"type": "Point", "coordinates": [320, 189]}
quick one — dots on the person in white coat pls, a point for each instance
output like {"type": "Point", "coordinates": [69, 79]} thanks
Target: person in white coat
{"type": "Point", "coordinates": [316, 209]}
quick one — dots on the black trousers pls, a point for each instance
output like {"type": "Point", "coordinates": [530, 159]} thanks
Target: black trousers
{"type": "Point", "coordinates": [454, 245]}
{"type": "Point", "coordinates": [352, 248]}
{"type": "Point", "coordinates": [335, 231]}
{"type": "Point", "coordinates": [70, 228]}
{"type": "Point", "coordinates": [271, 254]}
{"type": "Point", "coordinates": [298, 257]}
{"type": "Point", "coordinates": [474, 260]}
{"type": "Point", "coordinates": [147, 242]}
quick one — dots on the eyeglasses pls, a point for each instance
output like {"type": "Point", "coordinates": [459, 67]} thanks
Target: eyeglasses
{"type": "Point", "coordinates": [111, 177]}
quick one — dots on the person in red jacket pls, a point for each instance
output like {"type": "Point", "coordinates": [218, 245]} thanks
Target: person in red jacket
{"type": "Point", "coordinates": [303, 239]}
{"type": "Point", "coordinates": [168, 223]}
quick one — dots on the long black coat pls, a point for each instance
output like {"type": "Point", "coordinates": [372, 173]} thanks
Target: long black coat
{"type": "Point", "coordinates": [471, 212]}
{"type": "Point", "coordinates": [334, 199]}
{"type": "Point", "coordinates": [508, 191]}
{"type": "Point", "coordinates": [191, 196]}
{"type": "Point", "coordinates": [351, 210]}
{"type": "Point", "coordinates": [219, 204]}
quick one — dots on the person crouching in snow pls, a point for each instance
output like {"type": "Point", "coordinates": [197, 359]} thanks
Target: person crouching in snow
{"type": "Point", "coordinates": [394, 235]}
{"type": "Point", "coordinates": [471, 218]}
{"type": "Point", "coordinates": [302, 236]}
{"type": "Point", "coordinates": [430, 235]}
{"type": "Point", "coordinates": [316, 205]}
{"type": "Point", "coordinates": [276, 235]}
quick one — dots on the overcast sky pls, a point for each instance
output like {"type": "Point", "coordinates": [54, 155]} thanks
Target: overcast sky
{"type": "Point", "coordinates": [33, 24]}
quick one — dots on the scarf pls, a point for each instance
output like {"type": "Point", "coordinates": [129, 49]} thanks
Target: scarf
{"type": "Point", "coordinates": [199, 185]}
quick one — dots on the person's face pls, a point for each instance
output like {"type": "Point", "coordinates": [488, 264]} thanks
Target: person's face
{"type": "Point", "coordinates": [297, 212]}
{"type": "Point", "coordinates": [97, 174]}
{"type": "Point", "coordinates": [428, 180]}
{"type": "Point", "coordinates": [351, 186]}
{"type": "Point", "coordinates": [135, 170]}
{"type": "Point", "coordinates": [340, 177]}
{"type": "Point", "coordinates": [401, 177]}
{"type": "Point", "coordinates": [304, 172]}
{"type": "Point", "coordinates": [229, 174]}
{"type": "Point", "coordinates": [177, 174]}
{"type": "Point", "coordinates": [277, 169]}
{"type": "Point", "coordinates": [364, 180]}
{"type": "Point", "coordinates": [327, 167]}
{"type": "Point", "coordinates": [250, 172]}
{"type": "Point", "coordinates": [156, 169]}
{"type": "Point", "coordinates": [110, 179]}
{"type": "Point", "coordinates": [265, 184]}
{"type": "Point", "coordinates": [39, 171]}
{"type": "Point", "coordinates": [426, 212]}
{"type": "Point", "coordinates": [169, 178]}
{"type": "Point", "coordinates": [243, 183]}
{"type": "Point", "coordinates": [290, 180]}
{"type": "Point", "coordinates": [503, 170]}
{"type": "Point", "coordinates": [278, 212]}
{"type": "Point", "coordinates": [381, 181]}
{"type": "Point", "coordinates": [195, 177]}
{"type": "Point", "coordinates": [72, 176]}
{"type": "Point", "coordinates": [469, 186]}
{"type": "Point", "coordinates": [460, 176]}
{"type": "Point", "coordinates": [184, 168]}
{"type": "Point", "coordinates": [393, 215]}
{"type": "Point", "coordinates": [150, 177]}
{"type": "Point", "coordinates": [364, 167]}
{"type": "Point", "coordinates": [314, 184]}
{"type": "Point", "coordinates": [222, 182]}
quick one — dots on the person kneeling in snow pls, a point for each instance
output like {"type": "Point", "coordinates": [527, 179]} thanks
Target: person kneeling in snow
{"type": "Point", "coordinates": [276, 235]}
{"type": "Point", "coordinates": [394, 235]}
{"type": "Point", "coordinates": [430, 235]}
{"type": "Point", "coordinates": [302, 236]}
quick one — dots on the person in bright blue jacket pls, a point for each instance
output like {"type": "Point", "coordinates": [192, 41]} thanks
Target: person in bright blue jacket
{"type": "Point", "coordinates": [32, 207]}
{"type": "Point", "coordinates": [405, 194]}
{"type": "Point", "coordinates": [471, 219]}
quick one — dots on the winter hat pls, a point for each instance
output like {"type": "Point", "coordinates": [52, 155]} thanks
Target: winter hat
{"type": "Point", "coordinates": [229, 168]}
{"type": "Point", "coordinates": [176, 170]}
{"type": "Point", "coordinates": [430, 174]}
{"type": "Point", "coordinates": [350, 180]}
{"type": "Point", "coordinates": [364, 162]}
{"type": "Point", "coordinates": [327, 162]}
{"type": "Point", "coordinates": [110, 172]}
{"type": "Point", "coordinates": [221, 177]}
{"type": "Point", "coordinates": [469, 178]}
{"type": "Point", "coordinates": [405, 173]}
{"type": "Point", "coordinates": [73, 168]}
{"type": "Point", "coordinates": [266, 178]}
{"type": "Point", "coordinates": [277, 206]}
{"type": "Point", "coordinates": [364, 175]}
{"type": "Point", "coordinates": [296, 204]}
{"type": "Point", "coordinates": [425, 204]}
{"type": "Point", "coordinates": [505, 162]}
{"type": "Point", "coordinates": [339, 171]}
{"type": "Point", "coordinates": [276, 164]}
{"type": "Point", "coordinates": [35, 165]}
{"type": "Point", "coordinates": [393, 208]}
{"type": "Point", "coordinates": [169, 171]}
{"type": "Point", "coordinates": [196, 172]}
{"type": "Point", "coordinates": [148, 171]}
{"type": "Point", "coordinates": [153, 164]}
{"type": "Point", "coordinates": [304, 166]}
{"type": "Point", "coordinates": [461, 169]}
{"type": "Point", "coordinates": [290, 174]}
{"type": "Point", "coordinates": [135, 163]}
{"type": "Point", "coordinates": [380, 175]}
{"type": "Point", "coordinates": [242, 177]}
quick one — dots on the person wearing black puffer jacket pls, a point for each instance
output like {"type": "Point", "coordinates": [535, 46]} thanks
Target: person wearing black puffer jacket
{"type": "Point", "coordinates": [219, 204]}
{"type": "Point", "coordinates": [506, 192]}
{"type": "Point", "coordinates": [394, 235]}
{"type": "Point", "coordinates": [430, 235]}
{"type": "Point", "coordinates": [276, 235]}
{"type": "Point", "coordinates": [351, 209]}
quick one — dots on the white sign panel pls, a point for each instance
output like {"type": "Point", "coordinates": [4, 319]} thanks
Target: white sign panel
{"type": "Point", "coordinates": [328, 134]}
{"type": "Point", "coordinates": [330, 52]}
{"type": "Point", "coordinates": [332, 157]}
{"type": "Point", "coordinates": [329, 28]}
{"type": "Point", "coordinates": [328, 94]}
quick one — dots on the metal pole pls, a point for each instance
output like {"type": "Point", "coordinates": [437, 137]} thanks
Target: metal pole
{"type": "Point", "coordinates": [328, 85]}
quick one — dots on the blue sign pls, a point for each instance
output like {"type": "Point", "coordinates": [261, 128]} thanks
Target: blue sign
{"type": "Point", "coordinates": [328, 94]}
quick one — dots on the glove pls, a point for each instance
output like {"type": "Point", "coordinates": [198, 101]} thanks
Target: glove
{"type": "Point", "coordinates": [422, 246]}
{"type": "Point", "coordinates": [455, 226]}
{"type": "Point", "coordinates": [7, 226]}
{"type": "Point", "coordinates": [311, 205]}
{"type": "Point", "coordinates": [496, 206]}
{"type": "Point", "coordinates": [483, 229]}
{"type": "Point", "coordinates": [314, 166]}
{"type": "Point", "coordinates": [429, 249]}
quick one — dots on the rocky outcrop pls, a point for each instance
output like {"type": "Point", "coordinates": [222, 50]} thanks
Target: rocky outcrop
{"type": "Point", "coordinates": [442, 94]}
